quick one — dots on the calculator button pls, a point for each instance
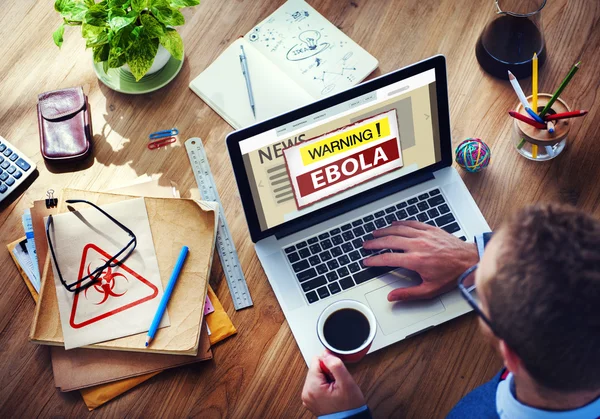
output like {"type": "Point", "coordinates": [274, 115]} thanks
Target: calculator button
{"type": "Point", "coordinates": [3, 176]}
{"type": "Point", "coordinates": [23, 165]}
{"type": "Point", "coordinates": [2, 148]}
{"type": "Point", "coordinates": [10, 181]}
{"type": "Point", "coordinates": [1, 159]}
{"type": "Point", "coordinates": [11, 170]}
{"type": "Point", "coordinates": [3, 188]}
{"type": "Point", "coordinates": [13, 157]}
{"type": "Point", "coordinates": [7, 152]}
{"type": "Point", "coordinates": [5, 165]}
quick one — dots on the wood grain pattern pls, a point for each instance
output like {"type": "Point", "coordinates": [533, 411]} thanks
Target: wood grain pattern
{"type": "Point", "coordinates": [259, 373]}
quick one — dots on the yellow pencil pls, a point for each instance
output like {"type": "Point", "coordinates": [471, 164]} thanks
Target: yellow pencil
{"type": "Point", "coordinates": [534, 84]}
{"type": "Point", "coordinates": [534, 151]}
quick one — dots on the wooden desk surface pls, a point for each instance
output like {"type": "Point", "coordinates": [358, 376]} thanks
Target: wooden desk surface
{"type": "Point", "coordinates": [260, 372]}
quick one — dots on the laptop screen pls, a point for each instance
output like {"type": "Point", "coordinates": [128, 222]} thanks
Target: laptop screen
{"type": "Point", "coordinates": [341, 151]}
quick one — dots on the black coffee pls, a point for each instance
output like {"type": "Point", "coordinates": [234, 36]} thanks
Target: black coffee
{"type": "Point", "coordinates": [508, 43]}
{"type": "Point", "coordinates": [346, 329]}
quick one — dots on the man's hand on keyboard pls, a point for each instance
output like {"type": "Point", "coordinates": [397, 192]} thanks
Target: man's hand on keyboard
{"type": "Point", "coordinates": [437, 256]}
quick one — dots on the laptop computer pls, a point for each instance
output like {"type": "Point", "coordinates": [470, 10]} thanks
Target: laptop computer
{"type": "Point", "coordinates": [317, 181]}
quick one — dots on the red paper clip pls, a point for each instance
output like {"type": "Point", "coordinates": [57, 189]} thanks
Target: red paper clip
{"type": "Point", "coordinates": [161, 143]}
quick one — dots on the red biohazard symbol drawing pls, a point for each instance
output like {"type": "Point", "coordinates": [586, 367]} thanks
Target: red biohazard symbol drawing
{"type": "Point", "coordinates": [116, 292]}
{"type": "Point", "coordinates": [107, 284]}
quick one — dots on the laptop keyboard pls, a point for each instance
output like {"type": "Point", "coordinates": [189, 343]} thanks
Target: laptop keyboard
{"type": "Point", "coordinates": [331, 262]}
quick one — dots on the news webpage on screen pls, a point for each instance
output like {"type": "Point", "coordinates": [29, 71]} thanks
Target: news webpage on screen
{"type": "Point", "coordinates": [344, 150]}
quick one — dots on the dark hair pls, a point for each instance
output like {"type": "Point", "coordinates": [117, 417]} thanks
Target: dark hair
{"type": "Point", "coordinates": [545, 298]}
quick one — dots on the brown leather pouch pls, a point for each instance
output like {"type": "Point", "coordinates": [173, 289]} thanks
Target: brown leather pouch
{"type": "Point", "coordinates": [64, 123]}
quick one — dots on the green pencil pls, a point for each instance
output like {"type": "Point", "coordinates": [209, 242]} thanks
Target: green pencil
{"type": "Point", "coordinates": [560, 89]}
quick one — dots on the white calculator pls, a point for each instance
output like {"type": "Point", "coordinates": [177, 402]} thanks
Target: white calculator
{"type": "Point", "coordinates": [15, 167]}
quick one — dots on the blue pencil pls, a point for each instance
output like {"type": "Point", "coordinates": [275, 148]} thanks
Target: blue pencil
{"type": "Point", "coordinates": [165, 298]}
{"type": "Point", "coordinates": [534, 115]}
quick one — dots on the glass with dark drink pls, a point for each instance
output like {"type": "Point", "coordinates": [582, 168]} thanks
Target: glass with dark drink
{"type": "Point", "coordinates": [510, 39]}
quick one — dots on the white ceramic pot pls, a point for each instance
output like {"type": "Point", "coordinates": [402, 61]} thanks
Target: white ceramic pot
{"type": "Point", "coordinates": [161, 60]}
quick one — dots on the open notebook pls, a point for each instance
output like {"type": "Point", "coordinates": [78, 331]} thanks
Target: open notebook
{"type": "Point", "coordinates": [294, 57]}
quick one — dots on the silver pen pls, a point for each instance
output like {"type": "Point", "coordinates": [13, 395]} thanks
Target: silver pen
{"type": "Point", "coordinates": [244, 63]}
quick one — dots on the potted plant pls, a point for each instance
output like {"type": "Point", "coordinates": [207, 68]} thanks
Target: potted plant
{"type": "Point", "coordinates": [126, 32]}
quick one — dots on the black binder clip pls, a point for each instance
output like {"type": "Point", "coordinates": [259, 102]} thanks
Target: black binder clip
{"type": "Point", "coordinates": [51, 201]}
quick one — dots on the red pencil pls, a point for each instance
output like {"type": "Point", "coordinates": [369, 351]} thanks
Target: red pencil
{"type": "Point", "coordinates": [527, 120]}
{"type": "Point", "coordinates": [326, 371]}
{"type": "Point", "coordinates": [572, 114]}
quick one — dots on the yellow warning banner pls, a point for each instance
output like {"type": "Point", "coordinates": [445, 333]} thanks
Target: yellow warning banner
{"type": "Point", "coordinates": [340, 142]}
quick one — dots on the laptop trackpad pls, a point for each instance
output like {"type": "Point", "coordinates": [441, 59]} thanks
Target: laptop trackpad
{"type": "Point", "coordinates": [392, 317]}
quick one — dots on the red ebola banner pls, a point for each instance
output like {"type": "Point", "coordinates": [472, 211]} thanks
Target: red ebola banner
{"type": "Point", "coordinates": [336, 161]}
{"type": "Point", "coordinates": [347, 167]}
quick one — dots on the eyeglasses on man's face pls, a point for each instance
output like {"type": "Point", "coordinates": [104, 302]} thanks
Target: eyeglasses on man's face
{"type": "Point", "coordinates": [93, 277]}
{"type": "Point", "coordinates": [466, 292]}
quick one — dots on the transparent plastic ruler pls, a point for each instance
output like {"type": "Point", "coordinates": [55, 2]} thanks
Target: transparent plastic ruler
{"type": "Point", "coordinates": [227, 253]}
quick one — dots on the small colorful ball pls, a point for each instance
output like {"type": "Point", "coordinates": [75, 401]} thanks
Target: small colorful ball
{"type": "Point", "coordinates": [473, 155]}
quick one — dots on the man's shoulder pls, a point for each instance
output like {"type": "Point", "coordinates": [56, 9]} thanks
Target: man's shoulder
{"type": "Point", "coordinates": [479, 403]}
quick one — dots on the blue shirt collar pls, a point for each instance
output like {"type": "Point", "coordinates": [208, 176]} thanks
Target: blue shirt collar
{"type": "Point", "coordinates": [508, 407]}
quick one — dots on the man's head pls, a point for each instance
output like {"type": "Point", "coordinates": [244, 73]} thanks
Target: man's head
{"type": "Point", "coordinates": [539, 283]}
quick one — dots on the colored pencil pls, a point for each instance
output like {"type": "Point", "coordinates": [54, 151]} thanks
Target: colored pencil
{"type": "Point", "coordinates": [534, 151]}
{"type": "Point", "coordinates": [562, 86]}
{"type": "Point", "coordinates": [521, 144]}
{"type": "Point", "coordinates": [534, 115]}
{"type": "Point", "coordinates": [534, 83]}
{"type": "Point", "coordinates": [517, 87]}
{"type": "Point", "coordinates": [167, 294]}
{"type": "Point", "coordinates": [551, 127]}
{"type": "Point", "coordinates": [328, 375]}
{"type": "Point", "coordinates": [527, 120]}
{"type": "Point", "coordinates": [565, 115]}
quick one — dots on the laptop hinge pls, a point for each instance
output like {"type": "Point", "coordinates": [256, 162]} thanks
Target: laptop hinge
{"type": "Point", "coordinates": [353, 203]}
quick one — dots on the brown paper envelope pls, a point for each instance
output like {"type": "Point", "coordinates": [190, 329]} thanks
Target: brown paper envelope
{"type": "Point", "coordinates": [80, 368]}
{"type": "Point", "coordinates": [174, 223]}
{"type": "Point", "coordinates": [221, 328]}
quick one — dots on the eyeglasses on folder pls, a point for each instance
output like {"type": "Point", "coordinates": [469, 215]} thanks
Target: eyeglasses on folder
{"type": "Point", "coordinates": [116, 260]}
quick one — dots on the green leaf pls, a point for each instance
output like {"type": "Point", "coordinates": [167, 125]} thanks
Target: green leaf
{"type": "Point", "coordinates": [119, 19]}
{"type": "Point", "coordinates": [101, 53]}
{"type": "Point", "coordinates": [140, 55]}
{"type": "Point", "coordinates": [97, 15]}
{"type": "Point", "coordinates": [105, 66]}
{"type": "Point", "coordinates": [116, 4]}
{"type": "Point", "coordinates": [58, 35]}
{"type": "Point", "coordinates": [152, 27]}
{"type": "Point", "coordinates": [122, 39]}
{"type": "Point", "coordinates": [72, 10]}
{"type": "Point", "coordinates": [165, 14]}
{"type": "Point", "coordinates": [89, 3]}
{"type": "Point", "coordinates": [94, 36]}
{"type": "Point", "coordinates": [139, 5]}
{"type": "Point", "coordinates": [178, 4]}
{"type": "Point", "coordinates": [116, 57]}
{"type": "Point", "coordinates": [173, 43]}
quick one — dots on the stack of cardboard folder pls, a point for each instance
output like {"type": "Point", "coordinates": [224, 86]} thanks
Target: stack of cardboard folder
{"type": "Point", "coordinates": [105, 370]}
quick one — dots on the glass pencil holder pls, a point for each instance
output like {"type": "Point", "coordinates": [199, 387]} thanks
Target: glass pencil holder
{"type": "Point", "coordinates": [541, 144]}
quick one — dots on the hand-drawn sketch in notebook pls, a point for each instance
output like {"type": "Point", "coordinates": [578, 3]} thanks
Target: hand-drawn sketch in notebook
{"type": "Point", "coordinates": [295, 56]}
{"type": "Point", "coordinates": [311, 50]}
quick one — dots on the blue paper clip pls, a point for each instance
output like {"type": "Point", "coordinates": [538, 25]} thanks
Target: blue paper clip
{"type": "Point", "coordinates": [164, 134]}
